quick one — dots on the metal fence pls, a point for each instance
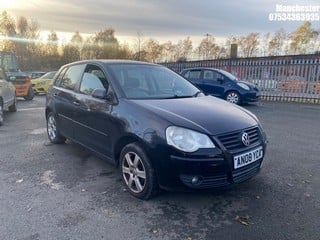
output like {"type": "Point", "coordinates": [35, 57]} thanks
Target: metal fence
{"type": "Point", "coordinates": [283, 78]}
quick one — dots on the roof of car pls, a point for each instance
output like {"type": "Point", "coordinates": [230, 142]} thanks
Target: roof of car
{"type": "Point", "coordinates": [110, 61]}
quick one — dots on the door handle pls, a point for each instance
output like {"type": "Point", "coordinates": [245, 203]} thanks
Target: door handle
{"type": "Point", "coordinates": [77, 103]}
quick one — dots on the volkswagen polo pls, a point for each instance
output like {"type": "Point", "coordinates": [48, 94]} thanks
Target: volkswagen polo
{"type": "Point", "coordinates": [158, 128]}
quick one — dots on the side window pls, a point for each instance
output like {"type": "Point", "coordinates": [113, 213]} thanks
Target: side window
{"type": "Point", "coordinates": [220, 77]}
{"type": "Point", "coordinates": [71, 77]}
{"type": "Point", "coordinates": [193, 74]}
{"type": "Point", "coordinates": [210, 76]}
{"type": "Point", "coordinates": [57, 82]}
{"type": "Point", "coordinates": [93, 78]}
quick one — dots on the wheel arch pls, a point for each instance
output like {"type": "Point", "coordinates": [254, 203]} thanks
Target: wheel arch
{"type": "Point", "coordinates": [232, 90]}
{"type": "Point", "coordinates": [122, 142]}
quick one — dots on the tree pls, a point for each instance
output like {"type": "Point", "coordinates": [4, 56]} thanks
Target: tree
{"type": "Point", "coordinates": [249, 44]}
{"type": "Point", "coordinates": [105, 44]}
{"type": "Point", "coordinates": [76, 38]}
{"type": "Point", "coordinates": [153, 50]}
{"type": "Point", "coordinates": [277, 42]}
{"type": "Point", "coordinates": [77, 45]}
{"type": "Point", "coordinates": [70, 53]}
{"type": "Point", "coordinates": [7, 29]}
{"type": "Point", "coordinates": [167, 53]}
{"type": "Point", "coordinates": [186, 48]}
{"type": "Point", "coordinates": [138, 44]}
{"type": "Point", "coordinates": [301, 38]}
{"type": "Point", "coordinates": [208, 48]}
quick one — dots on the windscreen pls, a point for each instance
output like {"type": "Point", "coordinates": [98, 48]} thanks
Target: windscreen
{"type": "Point", "coordinates": [151, 82]}
{"type": "Point", "coordinates": [8, 62]}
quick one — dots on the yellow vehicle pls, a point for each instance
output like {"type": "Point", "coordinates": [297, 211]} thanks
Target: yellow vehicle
{"type": "Point", "coordinates": [41, 84]}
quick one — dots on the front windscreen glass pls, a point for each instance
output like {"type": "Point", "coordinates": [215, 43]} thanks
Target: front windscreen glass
{"type": "Point", "coordinates": [151, 82]}
{"type": "Point", "coordinates": [229, 75]}
{"type": "Point", "coordinates": [8, 62]}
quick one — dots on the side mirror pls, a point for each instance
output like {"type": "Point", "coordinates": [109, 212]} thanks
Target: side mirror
{"type": "Point", "coordinates": [101, 93]}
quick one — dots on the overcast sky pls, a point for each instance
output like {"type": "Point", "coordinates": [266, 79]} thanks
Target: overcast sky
{"type": "Point", "coordinates": [161, 19]}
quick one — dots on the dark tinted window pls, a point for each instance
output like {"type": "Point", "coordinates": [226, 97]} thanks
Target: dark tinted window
{"type": "Point", "coordinates": [8, 62]}
{"type": "Point", "coordinates": [60, 76]}
{"type": "Point", "coordinates": [209, 75]}
{"type": "Point", "coordinates": [71, 77]}
{"type": "Point", "coordinates": [194, 74]}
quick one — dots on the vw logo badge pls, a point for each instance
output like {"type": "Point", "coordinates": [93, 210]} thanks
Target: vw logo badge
{"type": "Point", "coordinates": [245, 139]}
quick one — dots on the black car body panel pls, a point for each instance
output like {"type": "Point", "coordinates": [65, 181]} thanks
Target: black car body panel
{"type": "Point", "coordinates": [105, 126]}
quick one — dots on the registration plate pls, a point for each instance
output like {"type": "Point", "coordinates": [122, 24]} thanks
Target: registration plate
{"type": "Point", "coordinates": [248, 157]}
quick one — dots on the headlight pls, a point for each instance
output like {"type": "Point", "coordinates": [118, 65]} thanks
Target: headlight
{"type": "Point", "coordinates": [187, 140]}
{"type": "Point", "coordinates": [244, 86]}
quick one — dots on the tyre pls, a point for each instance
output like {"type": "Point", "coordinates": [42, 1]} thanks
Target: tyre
{"type": "Point", "coordinates": [13, 107]}
{"type": "Point", "coordinates": [30, 95]}
{"type": "Point", "coordinates": [1, 113]}
{"type": "Point", "coordinates": [233, 97]}
{"type": "Point", "coordinates": [137, 172]}
{"type": "Point", "coordinates": [53, 131]}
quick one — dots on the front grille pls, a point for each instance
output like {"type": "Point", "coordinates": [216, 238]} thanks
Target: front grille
{"type": "Point", "coordinates": [246, 172]}
{"type": "Point", "coordinates": [232, 141]}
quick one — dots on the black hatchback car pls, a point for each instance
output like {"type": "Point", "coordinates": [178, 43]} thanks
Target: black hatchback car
{"type": "Point", "coordinates": [222, 84]}
{"type": "Point", "coordinates": [156, 126]}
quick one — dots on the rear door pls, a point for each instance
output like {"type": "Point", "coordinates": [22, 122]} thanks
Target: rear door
{"type": "Point", "coordinates": [213, 83]}
{"type": "Point", "coordinates": [64, 96]}
{"type": "Point", "coordinates": [194, 76]}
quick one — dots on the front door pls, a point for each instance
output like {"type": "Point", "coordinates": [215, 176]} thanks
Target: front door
{"type": "Point", "coordinates": [94, 126]}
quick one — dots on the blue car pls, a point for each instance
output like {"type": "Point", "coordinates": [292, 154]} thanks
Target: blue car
{"type": "Point", "coordinates": [222, 84]}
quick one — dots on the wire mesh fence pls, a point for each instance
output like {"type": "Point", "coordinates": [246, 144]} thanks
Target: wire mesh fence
{"type": "Point", "coordinates": [283, 78]}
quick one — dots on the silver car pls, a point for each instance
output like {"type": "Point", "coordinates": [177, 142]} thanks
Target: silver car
{"type": "Point", "coordinates": [7, 96]}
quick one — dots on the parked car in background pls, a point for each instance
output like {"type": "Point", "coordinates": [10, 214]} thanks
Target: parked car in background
{"type": "Point", "coordinates": [222, 84]}
{"type": "Point", "coordinates": [7, 95]}
{"type": "Point", "coordinates": [36, 74]}
{"type": "Point", "coordinates": [41, 84]}
{"type": "Point", "coordinates": [160, 129]}
{"type": "Point", "coordinates": [19, 79]}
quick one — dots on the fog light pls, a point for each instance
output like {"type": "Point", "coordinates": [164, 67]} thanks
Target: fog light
{"type": "Point", "coordinates": [196, 180]}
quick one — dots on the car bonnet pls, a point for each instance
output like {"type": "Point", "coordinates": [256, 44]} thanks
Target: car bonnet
{"type": "Point", "coordinates": [208, 114]}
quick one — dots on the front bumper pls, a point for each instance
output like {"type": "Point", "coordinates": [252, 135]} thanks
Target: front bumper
{"type": "Point", "coordinates": [250, 97]}
{"type": "Point", "coordinates": [208, 168]}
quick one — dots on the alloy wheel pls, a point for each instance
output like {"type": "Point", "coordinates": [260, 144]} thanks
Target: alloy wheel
{"type": "Point", "coordinates": [134, 172]}
{"type": "Point", "coordinates": [233, 97]}
{"type": "Point", "coordinates": [52, 128]}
